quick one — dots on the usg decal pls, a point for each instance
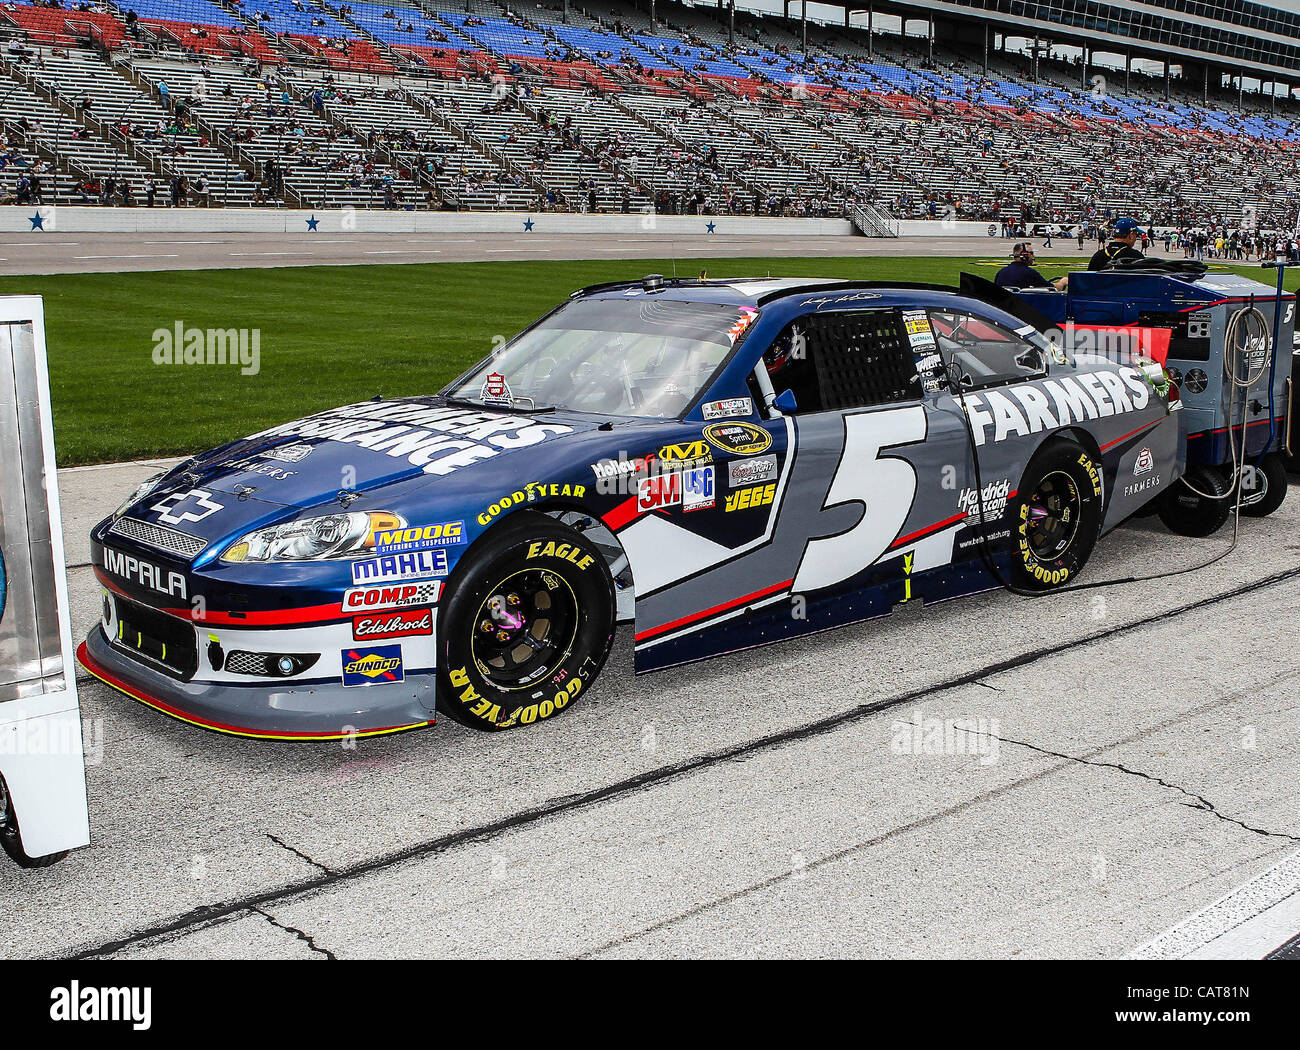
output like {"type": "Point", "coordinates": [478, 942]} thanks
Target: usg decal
{"type": "Point", "coordinates": [416, 565]}
{"type": "Point", "coordinates": [697, 489]}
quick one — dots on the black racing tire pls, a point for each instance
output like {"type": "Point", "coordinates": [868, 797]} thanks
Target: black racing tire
{"type": "Point", "coordinates": [1189, 513]}
{"type": "Point", "coordinates": [1270, 476]}
{"type": "Point", "coordinates": [527, 626]}
{"type": "Point", "coordinates": [11, 837]}
{"type": "Point", "coordinates": [1056, 516]}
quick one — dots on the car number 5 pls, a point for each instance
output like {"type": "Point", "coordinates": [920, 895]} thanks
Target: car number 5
{"type": "Point", "coordinates": [884, 487]}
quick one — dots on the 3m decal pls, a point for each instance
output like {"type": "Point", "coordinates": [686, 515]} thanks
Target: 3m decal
{"type": "Point", "coordinates": [416, 565]}
{"type": "Point", "coordinates": [392, 596]}
{"type": "Point", "coordinates": [374, 626]}
{"type": "Point", "coordinates": [885, 487]}
{"type": "Point", "coordinates": [199, 504]}
{"type": "Point", "coordinates": [741, 439]}
{"type": "Point", "coordinates": [373, 666]}
{"type": "Point", "coordinates": [659, 491]}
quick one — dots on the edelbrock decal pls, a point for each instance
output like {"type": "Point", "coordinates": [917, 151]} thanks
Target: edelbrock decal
{"type": "Point", "coordinates": [396, 624]}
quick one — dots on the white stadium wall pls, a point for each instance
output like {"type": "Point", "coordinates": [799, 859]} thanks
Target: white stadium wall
{"type": "Point", "coordinates": [77, 219]}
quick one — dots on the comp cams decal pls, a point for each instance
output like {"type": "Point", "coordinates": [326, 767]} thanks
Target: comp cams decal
{"type": "Point", "coordinates": [392, 596]}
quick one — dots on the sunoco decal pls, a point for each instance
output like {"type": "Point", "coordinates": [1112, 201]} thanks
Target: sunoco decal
{"type": "Point", "coordinates": [374, 666]}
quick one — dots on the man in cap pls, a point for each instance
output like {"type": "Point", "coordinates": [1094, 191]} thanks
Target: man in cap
{"type": "Point", "coordinates": [1020, 272]}
{"type": "Point", "coordinates": [1121, 246]}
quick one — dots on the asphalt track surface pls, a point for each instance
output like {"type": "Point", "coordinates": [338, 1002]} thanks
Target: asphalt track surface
{"type": "Point", "coordinates": [1129, 761]}
{"type": "Point", "coordinates": [55, 252]}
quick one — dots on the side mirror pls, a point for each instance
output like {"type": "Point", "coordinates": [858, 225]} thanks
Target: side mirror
{"type": "Point", "coordinates": [786, 403]}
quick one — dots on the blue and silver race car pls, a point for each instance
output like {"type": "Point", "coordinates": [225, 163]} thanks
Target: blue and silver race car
{"type": "Point", "coordinates": [721, 463]}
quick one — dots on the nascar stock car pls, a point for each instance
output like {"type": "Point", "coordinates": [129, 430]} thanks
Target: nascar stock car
{"type": "Point", "coordinates": [725, 463]}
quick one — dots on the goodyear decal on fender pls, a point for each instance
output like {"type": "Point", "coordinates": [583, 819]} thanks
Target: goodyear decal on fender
{"type": "Point", "coordinates": [741, 439]}
{"type": "Point", "coordinates": [530, 493]}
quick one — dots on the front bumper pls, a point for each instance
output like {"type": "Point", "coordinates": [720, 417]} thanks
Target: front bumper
{"type": "Point", "coordinates": [306, 711]}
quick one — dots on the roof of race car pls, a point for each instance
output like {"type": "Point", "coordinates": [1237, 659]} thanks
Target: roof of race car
{"type": "Point", "coordinates": [756, 291]}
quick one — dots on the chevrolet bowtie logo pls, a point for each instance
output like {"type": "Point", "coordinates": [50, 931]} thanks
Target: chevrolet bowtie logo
{"type": "Point", "coordinates": [201, 500]}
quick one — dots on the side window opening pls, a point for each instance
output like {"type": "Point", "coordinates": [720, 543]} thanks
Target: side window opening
{"type": "Point", "coordinates": [985, 353]}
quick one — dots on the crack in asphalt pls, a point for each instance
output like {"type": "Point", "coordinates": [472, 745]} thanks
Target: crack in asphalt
{"type": "Point", "coordinates": [299, 853]}
{"type": "Point", "coordinates": [1198, 801]}
{"type": "Point", "coordinates": [206, 914]}
{"type": "Point", "coordinates": [306, 937]}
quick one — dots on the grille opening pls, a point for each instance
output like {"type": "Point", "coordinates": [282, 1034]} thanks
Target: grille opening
{"type": "Point", "coordinates": [163, 642]}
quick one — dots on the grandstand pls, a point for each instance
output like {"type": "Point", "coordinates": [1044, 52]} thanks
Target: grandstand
{"type": "Point", "coordinates": [479, 105]}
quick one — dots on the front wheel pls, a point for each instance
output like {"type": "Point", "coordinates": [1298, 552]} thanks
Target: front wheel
{"type": "Point", "coordinates": [1057, 516]}
{"type": "Point", "coordinates": [527, 627]}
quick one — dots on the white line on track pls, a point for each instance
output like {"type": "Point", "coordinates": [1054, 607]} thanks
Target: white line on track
{"type": "Point", "coordinates": [501, 251]}
{"type": "Point", "coordinates": [1247, 923]}
{"type": "Point", "coordinates": [187, 242]}
{"type": "Point", "coordinates": [404, 251]}
{"type": "Point", "coordinates": [80, 257]}
{"type": "Point", "coordinates": [240, 255]}
{"type": "Point", "coordinates": [47, 244]}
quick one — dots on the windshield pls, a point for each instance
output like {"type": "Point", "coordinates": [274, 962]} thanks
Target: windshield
{"type": "Point", "coordinates": [637, 357]}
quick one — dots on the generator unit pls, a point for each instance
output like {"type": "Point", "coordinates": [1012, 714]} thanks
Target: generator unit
{"type": "Point", "coordinates": [1225, 341]}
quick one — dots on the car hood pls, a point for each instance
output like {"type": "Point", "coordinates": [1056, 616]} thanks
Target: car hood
{"type": "Point", "coordinates": [368, 456]}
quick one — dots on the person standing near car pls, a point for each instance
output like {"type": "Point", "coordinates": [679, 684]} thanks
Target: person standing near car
{"type": "Point", "coordinates": [1121, 247]}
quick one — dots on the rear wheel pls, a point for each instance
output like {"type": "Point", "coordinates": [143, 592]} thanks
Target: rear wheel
{"type": "Point", "coordinates": [1198, 504]}
{"type": "Point", "coordinates": [11, 838]}
{"type": "Point", "coordinates": [1263, 486]}
{"type": "Point", "coordinates": [1057, 517]}
{"type": "Point", "coordinates": [527, 627]}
